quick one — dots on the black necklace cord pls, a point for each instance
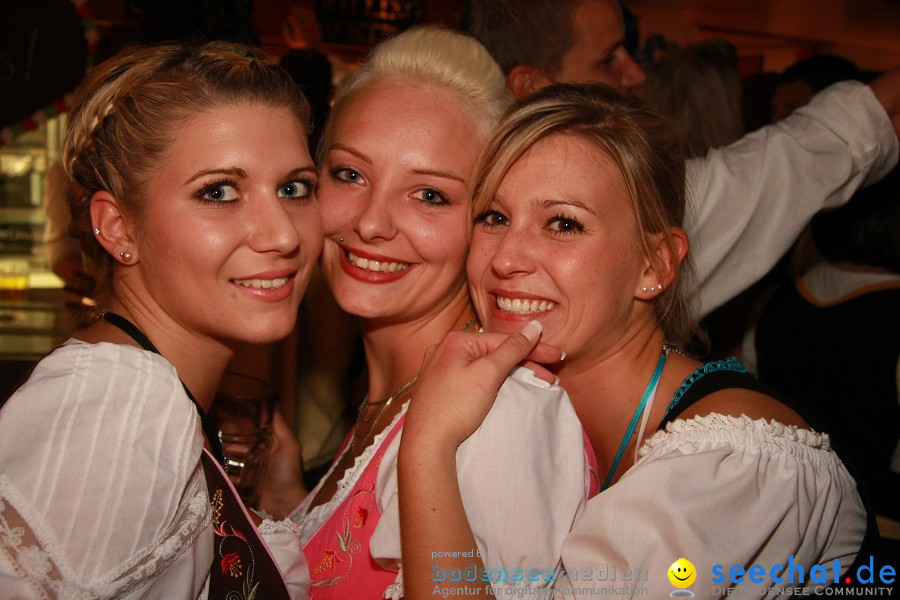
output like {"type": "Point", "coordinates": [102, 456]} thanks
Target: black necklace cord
{"type": "Point", "coordinates": [209, 427]}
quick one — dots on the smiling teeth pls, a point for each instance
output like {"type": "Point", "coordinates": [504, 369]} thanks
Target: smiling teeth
{"type": "Point", "coordinates": [379, 266]}
{"type": "Point", "coordinates": [265, 284]}
{"type": "Point", "coordinates": [524, 307]}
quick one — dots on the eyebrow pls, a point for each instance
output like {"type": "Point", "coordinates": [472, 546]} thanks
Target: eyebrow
{"type": "Point", "coordinates": [241, 173]}
{"type": "Point", "coordinates": [307, 169]}
{"type": "Point", "coordinates": [550, 203]}
{"type": "Point", "coordinates": [422, 171]}
{"type": "Point", "coordinates": [353, 151]}
{"type": "Point", "coordinates": [439, 173]}
{"type": "Point", "coordinates": [233, 171]}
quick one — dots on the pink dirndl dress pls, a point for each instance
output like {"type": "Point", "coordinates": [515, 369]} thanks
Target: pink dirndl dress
{"type": "Point", "coordinates": [340, 564]}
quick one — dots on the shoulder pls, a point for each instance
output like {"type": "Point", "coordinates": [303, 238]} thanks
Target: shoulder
{"type": "Point", "coordinates": [725, 387]}
{"type": "Point", "coordinates": [697, 492]}
{"type": "Point", "coordinates": [77, 367]}
{"type": "Point", "coordinates": [88, 397]}
{"type": "Point", "coordinates": [736, 402]}
{"type": "Point", "coordinates": [112, 439]}
{"type": "Point", "coordinates": [709, 480]}
{"type": "Point", "coordinates": [99, 456]}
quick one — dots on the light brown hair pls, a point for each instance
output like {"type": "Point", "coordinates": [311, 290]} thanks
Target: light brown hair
{"type": "Point", "coordinates": [638, 140]}
{"type": "Point", "coordinates": [700, 89]}
{"type": "Point", "coordinates": [129, 109]}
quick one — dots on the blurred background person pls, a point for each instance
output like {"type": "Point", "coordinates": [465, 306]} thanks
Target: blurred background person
{"type": "Point", "coordinates": [748, 200]}
{"type": "Point", "coordinates": [807, 77]}
{"type": "Point", "coordinates": [830, 339]}
{"type": "Point", "coordinates": [699, 88]}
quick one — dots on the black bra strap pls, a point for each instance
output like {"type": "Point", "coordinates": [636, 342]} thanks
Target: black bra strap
{"type": "Point", "coordinates": [209, 428]}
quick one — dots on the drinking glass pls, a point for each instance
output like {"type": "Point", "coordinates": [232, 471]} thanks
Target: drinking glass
{"type": "Point", "coordinates": [243, 411]}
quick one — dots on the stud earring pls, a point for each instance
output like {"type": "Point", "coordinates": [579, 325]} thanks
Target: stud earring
{"type": "Point", "coordinates": [96, 231]}
{"type": "Point", "coordinates": [126, 256]}
{"type": "Point", "coordinates": [652, 288]}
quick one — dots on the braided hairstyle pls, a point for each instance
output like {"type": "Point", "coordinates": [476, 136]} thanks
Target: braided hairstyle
{"type": "Point", "coordinates": [129, 109]}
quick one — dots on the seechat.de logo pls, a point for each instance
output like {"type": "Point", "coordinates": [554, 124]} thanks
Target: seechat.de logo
{"type": "Point", "coordinates": [796, 573]}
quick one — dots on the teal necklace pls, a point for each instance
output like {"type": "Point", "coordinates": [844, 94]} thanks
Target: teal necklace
{"type": "Point", "coordinates": [651, 388]}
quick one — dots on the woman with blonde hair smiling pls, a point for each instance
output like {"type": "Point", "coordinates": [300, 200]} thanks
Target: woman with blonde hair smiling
{"type": "Point", "coordinates": [578, 208]}
{"type": "Point", "coordinates": [396, 162]}
{"type": "Point", "coordinates": [193, 197]}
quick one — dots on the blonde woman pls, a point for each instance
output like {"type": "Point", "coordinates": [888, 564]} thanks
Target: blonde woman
{"type": "Point", "coordinates": [396, 162]}
{"type": "Point", "coordinates": [578, 209]}
{"type": "Point", "coordinates": [193, 197]}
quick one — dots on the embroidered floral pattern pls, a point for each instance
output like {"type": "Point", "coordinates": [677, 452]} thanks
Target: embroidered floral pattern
{"type": "Point", "coordinates": [337, 563]}
{"type": "Point", "coordinates": [232, 563]}
{"type": "Point", "coordinates": [216, 504]}
{"type": "Point", "coordinates": [339, 530]}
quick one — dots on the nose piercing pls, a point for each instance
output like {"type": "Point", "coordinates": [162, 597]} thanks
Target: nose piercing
{"type": "Point", "coordinates": [391, 225]}
{"type": "Point", "coordinates": [340, 240]}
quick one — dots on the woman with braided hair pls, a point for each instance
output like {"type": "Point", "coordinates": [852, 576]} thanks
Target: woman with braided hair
{"type": "Point", "coordinates": [193, 197]}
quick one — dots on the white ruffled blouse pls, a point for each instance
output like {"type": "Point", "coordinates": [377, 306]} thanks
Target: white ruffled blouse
{"type": "Point", "coordinates": [102, 492]}
{"type": "Point", "coordinates": [718, 490]}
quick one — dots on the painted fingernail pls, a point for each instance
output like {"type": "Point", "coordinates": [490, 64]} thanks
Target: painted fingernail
{"type": "Point", "coordinates": [556, 380]}
{"type": "Point", "coordinates": [563, 357]}
{"type": "Point", "coordinates": [532, 331]}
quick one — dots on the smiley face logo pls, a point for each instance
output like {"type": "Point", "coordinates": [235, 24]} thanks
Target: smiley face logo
{"type": "Point", "coordinates": [682, 573]}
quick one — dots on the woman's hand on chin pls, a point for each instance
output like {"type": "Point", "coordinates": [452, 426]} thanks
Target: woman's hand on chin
{"type": "Point", "coordinates": [460, 378]}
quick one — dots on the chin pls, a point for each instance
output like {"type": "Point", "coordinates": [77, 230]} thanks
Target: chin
{"type": "Point", "coordinates": [267, 332]}
{"type": "Point", "coordinates": [361, 304]}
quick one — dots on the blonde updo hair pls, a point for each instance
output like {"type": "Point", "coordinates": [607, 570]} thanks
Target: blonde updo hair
{"type": "Point", "coordinates": [639, 141]}
{"type": "Point", "coordinates": [432, 55]}
{"type": "Point", "coordinates": [129, 109]}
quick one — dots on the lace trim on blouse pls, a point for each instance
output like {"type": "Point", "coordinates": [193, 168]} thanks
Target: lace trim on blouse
{"type": "Point", "coordinates": [269, 527]}
{"type": "Point", "coordinates": [33, 554]}
{"type": "Point", "coordinates": [310, 520]}
{"type": "Point", "coordinates": [742, 432]}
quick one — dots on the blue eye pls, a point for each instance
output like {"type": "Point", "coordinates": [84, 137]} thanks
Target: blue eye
{"type": "Point", "coordinates": [221, 191]}
{"type": "Point", "coordinates": [299, 189]}
{"type": "Point", "coordinates": [431, 196]}
{"type": "Point", "coordinates": [492, 218]}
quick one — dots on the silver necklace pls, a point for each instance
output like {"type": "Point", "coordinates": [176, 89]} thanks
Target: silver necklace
{"type": "Point", "coordinates": [360, 416]}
